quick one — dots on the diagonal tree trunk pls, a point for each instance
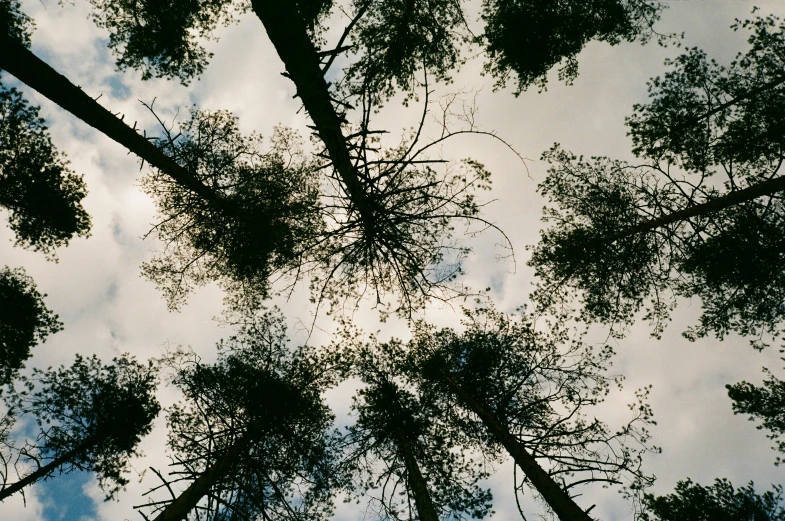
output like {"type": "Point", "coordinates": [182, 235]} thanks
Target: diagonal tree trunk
{"type": "Point", "coordinates": [47, 469]}
{"type": "Point", "coordinates": [556, 497]}
{"type": "Point", "coordinates": [733, 198]}
{"type": "Point", "coordinates": [178, 509]}
{"type": "Point", "coordinates": [36, 74]}
{"type": "Point", "coordinates": [288, 33]}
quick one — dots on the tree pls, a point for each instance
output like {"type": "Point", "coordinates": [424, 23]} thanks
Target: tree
{"type": "Point", "coordinates": [92, 417]}
{"type": "Point", "coordinates": [719, 502]}
{"type": "Point", "coordinates": [391, 43]}
{"type": "Point", "coordinates": [410, 463]}
{"type": "Point", "coordinates": [42, 195]}
{"type": "Point", "coordinates": [513, 388]}
{"type": "Point", "coordinates": [25, 321]}
{"type": "Point", "coordinates": [250, 438]}
{"type": "Point", "coordinates": [766, 403]}
{"type": "Point", "coordinates": [626, 237]}
{"type": "Point", "coordinates": [276, 191]}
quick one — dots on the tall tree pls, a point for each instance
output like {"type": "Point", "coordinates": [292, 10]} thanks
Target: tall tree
{"type": "Point", "coordinates": [250, 437]}
{"type": "Point", "coordinates": [409, 462]}
{"type": "Point", "coordinates": [700, 217]}
{"type": "Point", "coordinates": [24, 321]}
{"type": "Point", "coordinates": [718, 502]}
{"type": "Point", "coordinates": [392, 43]}
{"type": "Point", "coordinates": [513, 388]}
{"type": "Point", "coordinates": [92, 417]}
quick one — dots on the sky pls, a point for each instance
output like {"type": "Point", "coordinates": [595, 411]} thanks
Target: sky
{"type": "Point", "coordinates": [108, 308]}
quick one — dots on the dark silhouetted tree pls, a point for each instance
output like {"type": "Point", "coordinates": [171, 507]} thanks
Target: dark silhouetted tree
{"type": "Point", "coordinates": [701, 216]}
{"type": "Point", "coordinates": [765, 403]}
{"type": "Point", "coordinates": [276, 191]}
{"type": "Point", "coordinates": [404, 458]}
{"type": "Point", "coordinates": [513, 388]}
{"type": "Point", "coordinates": [92, 417]}
{"type": "Point", "coordinates": [250, 437]}
{"type": "Point", "coordinates": [718, 502]}
{"type": "Point", "coordinates": [42, 196]}
{"type": "Point", "coordinates": [24, 321]}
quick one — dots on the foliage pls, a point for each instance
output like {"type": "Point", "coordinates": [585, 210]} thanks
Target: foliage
{"type": "Point", "coordinates": [393, 420]}
{"type": "Point", "coordinates": [162, 38]}
{"type": "Point", "coordinates": [262, 388]}
{"type": "Point", "coordinates": [103, 411]}
{"type": "Point", "coordinates": [14, 23]}
{"type": "Point", "coordinates": [24, 321]}
{"type": "Point", "coordinates": [539, 381]}
{"type": "Point", "coordinates": [528, 38]}
{"type": "Point", "coordinates": [42, 195]}
{"type": "Point", "coordinates": [766, 403]}
{"type": "Point", "coordinates": [703, 121]}
{"type": "Point", "coordinates": [717, 502]}
{"type": "Point", "coordinates": [393, 41]}
{"type": "Point", "coordinates": [275, 215]}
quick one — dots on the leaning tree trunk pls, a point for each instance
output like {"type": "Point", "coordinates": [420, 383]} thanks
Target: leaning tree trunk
{"type": "Point", "coordinates": [733, 198]}
{"type": "Point", "coordinates": [289, 36]}
{"type": "Point", "coordinates": [36, 74]}
{"type": "Point", "coordinates": [556, 497]}
{"type": "Point", "coordinates": [178, 509]}
{"type": "Point", "coordinates": [47, 469]}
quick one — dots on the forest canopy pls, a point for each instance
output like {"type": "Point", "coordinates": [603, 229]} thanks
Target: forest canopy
{"type": "Point", "coordinates": [281, 260]}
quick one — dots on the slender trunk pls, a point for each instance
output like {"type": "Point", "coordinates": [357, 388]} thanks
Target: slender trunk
{"type": "Point", "coordinates": [47, 469]}
{"type": "Point", "coordinates": [36, 74]}
{"type": "Point", "coordinates": [418, 486]}
{"type": "Point", "coordinates": [288, 34]}
{"type": "Point", "coordinates": [558, 499]}
{"type": "Point", "coordinates": [733, 198]}
{"type": "Point", "coordinates": [178, 509]}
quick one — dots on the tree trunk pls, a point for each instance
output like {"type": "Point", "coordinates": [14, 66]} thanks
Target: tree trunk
{"type": "Point", "coordinates": [288, 34]}
{"type": "Point", "coordinates": [417, 483]}
{"type": "Point", "coordinates": [560, 502]}
{"type": "Point", "coordinates": [178, 509]}
{"type": "Point", "coordinates": [36, 74]}
{"type": "Point", "coordinates": [47, 469]}
{"type": "Point", "coordinates": [733, 198]}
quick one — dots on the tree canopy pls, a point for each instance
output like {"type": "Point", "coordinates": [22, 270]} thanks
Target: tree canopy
{"type": "Point", "coordinates": [694, 502]}
{"type": "Point", "coordinates": [354, 216]}
{"type": "Point", "coordinates": [681, 223]}
{"type": "Point", "coordinates": [24, 321]}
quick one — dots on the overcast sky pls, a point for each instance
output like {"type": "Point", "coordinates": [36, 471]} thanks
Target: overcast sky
{"type": "Point", "coordinates": [107, 308]}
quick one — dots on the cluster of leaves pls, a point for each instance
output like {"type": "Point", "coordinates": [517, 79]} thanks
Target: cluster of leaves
{"type": "Point", "coordinates": [14, 23]}
{"type": "Point", "coordinates": [271, 214]}
{"type": "Point", "coordinates": [766, 403]}
{"type": "Point", "coordinates": [24, 321]}
{"type": "Point", "coordinates": [92, 416]}
{"type": "Point", "coordinates": [612, 238]}
{"type": "Point", "coordinates": [43, 197]}
{"type": "Point", "coordinates": [528, 38]}
{"type": "Point", "coordinates": [718, 502]}
{"type": "Point", "coordinates": [262, 398]}
{"type": "Point", "coordinates": [162, 39]}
